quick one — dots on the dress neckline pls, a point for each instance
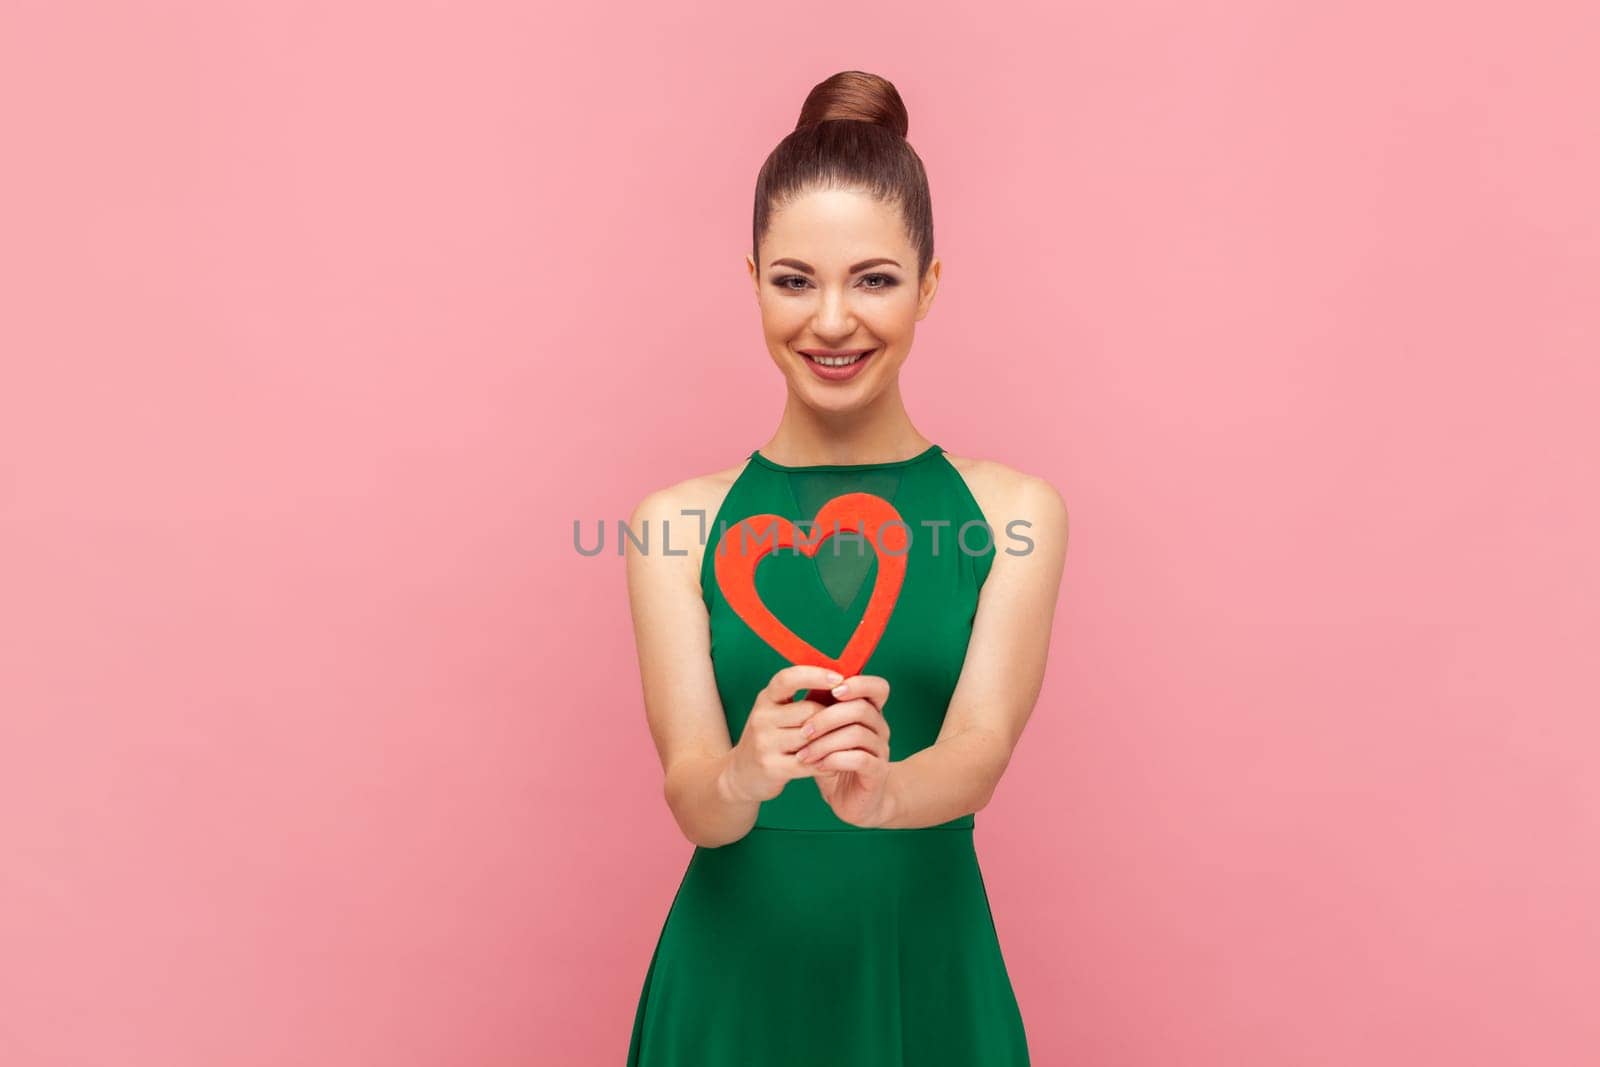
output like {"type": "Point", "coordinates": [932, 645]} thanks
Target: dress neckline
{"type": "Point", "coordinates": [765, 462]}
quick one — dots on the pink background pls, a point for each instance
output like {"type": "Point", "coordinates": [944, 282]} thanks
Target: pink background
{"type": "Point", "coordinates": [319, 744]}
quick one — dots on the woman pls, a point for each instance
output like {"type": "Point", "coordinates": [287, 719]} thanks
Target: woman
{"type": "Point", "coordinates": [868, 616]}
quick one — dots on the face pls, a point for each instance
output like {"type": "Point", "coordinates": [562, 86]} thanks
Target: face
{"type": "Point", "coordinates": [838, 277]}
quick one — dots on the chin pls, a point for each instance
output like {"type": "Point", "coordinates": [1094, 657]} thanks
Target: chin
{"type": "Point", "coordinates": [833, 403]}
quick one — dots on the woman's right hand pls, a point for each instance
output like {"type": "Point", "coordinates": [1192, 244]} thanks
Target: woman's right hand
{"type": "Point", "coordinates": [764, 761]}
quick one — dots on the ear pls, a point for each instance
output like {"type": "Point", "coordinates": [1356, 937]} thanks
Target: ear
{"type": "Point", "coordinates": [755, 273]}
{"type": "Point", "coordinates": [929, 286]}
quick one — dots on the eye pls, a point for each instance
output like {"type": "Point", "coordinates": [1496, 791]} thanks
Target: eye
{"type": "Point", "coordinates": [883, 281]}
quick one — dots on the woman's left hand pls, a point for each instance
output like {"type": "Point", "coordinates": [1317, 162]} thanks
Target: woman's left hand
{"type": "Point", "coordinates": [849, 750]}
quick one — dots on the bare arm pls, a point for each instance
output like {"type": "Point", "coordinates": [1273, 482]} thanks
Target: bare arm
{"type": "Point", "coordinates": [671, 635]}
{"type": "Point", "coordinates": [1001, 677]}
{"type": "Point", "coordinates": [713, 786]}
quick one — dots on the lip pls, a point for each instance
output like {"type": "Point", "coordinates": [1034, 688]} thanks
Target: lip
{"type": "Point", "coordinates": [837, 374]}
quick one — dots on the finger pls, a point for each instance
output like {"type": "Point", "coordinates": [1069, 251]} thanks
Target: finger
{"type": "Point", "coordinates": [846, 737]}
{"type": "Point", "coordinates": [845, 712]}
{"type": "Point", "coordinates": [783, 686]}
{"type": "Point", "coordinates": [778, 747]}
{"type": "Point", "coordinates": [872, 687]}
{"type": "Point", "coordinates": [791, 739]}
{"type": "Point", "coordinates": [792, 714]}
{"type": "Point", "coordinates": [851, 759]}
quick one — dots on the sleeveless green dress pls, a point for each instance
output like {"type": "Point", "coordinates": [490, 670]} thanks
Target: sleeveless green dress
{"type": "Point", "coordinates": [810, 941]}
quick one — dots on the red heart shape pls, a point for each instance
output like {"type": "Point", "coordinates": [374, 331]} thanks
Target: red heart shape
{"type": "Point", "coordinates": [863, 513]}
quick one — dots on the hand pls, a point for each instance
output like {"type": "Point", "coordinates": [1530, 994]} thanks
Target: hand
{"type": "Point", "coordinates": [849, 751]}
{"type": "Point", "coordinates": [763, 761]}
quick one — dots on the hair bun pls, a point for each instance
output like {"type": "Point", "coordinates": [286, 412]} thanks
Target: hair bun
{"type": "Point", "coordinates": [856, 96]}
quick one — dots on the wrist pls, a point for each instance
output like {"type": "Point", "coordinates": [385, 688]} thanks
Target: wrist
{"type": "Point", "coordinates": [727, 789]}
{"type": "Point", "coordinates": [889, 806]}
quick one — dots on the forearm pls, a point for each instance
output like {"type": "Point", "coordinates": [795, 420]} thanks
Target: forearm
{"type": "Point", "coordinates": [955, 776]}
{"type": "Point", "coordinates": [706, 808]}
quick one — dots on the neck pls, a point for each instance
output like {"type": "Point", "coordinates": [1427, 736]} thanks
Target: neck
{"type": "Point", "coordinates": [880, 432]}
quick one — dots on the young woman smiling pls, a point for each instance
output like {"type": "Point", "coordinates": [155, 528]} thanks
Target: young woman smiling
{"type": "Point", "coordinates": [836, 680]}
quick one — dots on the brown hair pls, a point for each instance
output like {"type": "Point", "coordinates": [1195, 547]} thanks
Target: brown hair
{"type": "Point", "coordinates": [851, 135]}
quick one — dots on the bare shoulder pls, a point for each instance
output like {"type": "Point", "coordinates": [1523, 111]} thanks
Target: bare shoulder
{"type": "Point", "coordinates": [1006, 494]}
{"type": "Point", "coordinates": [686, 509]}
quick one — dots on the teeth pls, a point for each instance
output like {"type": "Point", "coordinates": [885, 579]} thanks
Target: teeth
{"type": "Point", "coordinates": [836, 361]}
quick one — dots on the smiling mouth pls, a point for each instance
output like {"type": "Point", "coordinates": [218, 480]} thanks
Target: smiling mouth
{"type": "Point", "coordinates": [838, 361]}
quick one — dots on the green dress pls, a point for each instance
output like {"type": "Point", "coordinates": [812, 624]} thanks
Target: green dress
{"type": "Point", "coordinates": [811, 941]}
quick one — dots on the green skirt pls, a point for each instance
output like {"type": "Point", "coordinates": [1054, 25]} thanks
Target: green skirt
{"type": "Point", "coordinates": [804, 948]}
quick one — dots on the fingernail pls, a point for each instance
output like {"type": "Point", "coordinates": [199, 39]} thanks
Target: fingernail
{"type": "Point", "coordinates": [835, 677]}
{"type": "Point", "coordinates": [811, 728]}
{"type": "Point", "coordinates": [839, 690]}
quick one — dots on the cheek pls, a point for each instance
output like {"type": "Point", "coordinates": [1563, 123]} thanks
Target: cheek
{"type": "Point", "coordinates": [893, 321]}
{"type": "Point", "coordinates": [782, 318]}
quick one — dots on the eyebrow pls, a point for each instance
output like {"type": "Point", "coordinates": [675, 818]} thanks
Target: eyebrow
{"type": "Point", "coordinates": [806, 267]}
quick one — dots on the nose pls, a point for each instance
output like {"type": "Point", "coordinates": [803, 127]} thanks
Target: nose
{"type": "Point", "coordinates": [834, 320]}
